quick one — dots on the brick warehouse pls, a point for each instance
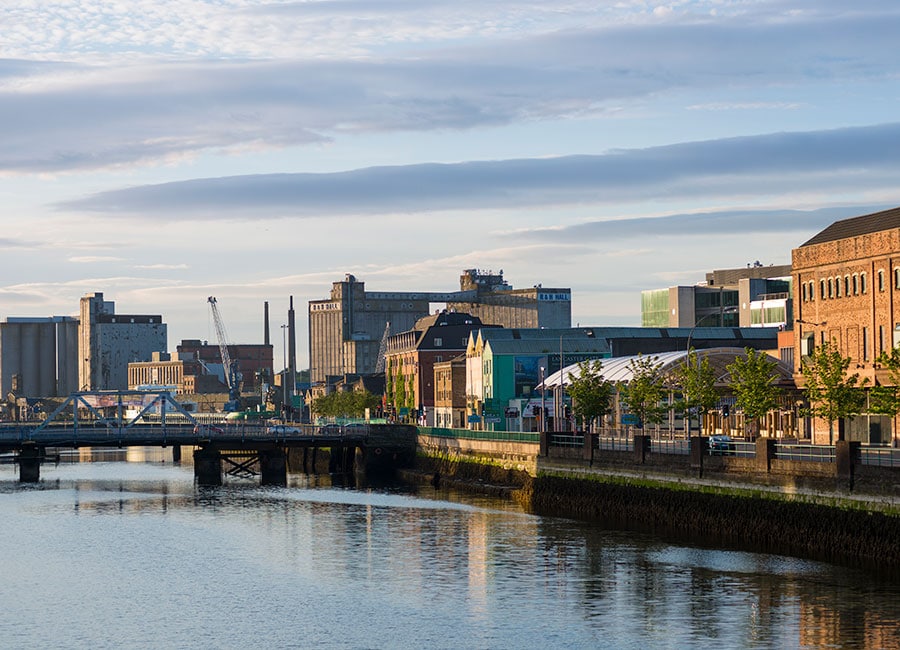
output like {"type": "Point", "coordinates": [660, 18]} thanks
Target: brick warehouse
{"type": "Point", "coordinates": [846, 283]}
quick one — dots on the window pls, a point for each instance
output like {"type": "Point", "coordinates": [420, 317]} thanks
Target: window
{"type": "Point", "coordinates": [897, 278]}
{"type": "Point", "coordinates": [880, 339]}
{"type": "Point", "coordinates": [880, 280]}
{"type": "Point", "coordinates": [846, 285]}
{"type": "Point", "coordinates": [855, 284]}
{"type": "Point", "coordinates": [865, 343]}
{"type": "Point", "coordinates": [812, 290]}
{"type": "Point", "coordinates": [804, 293]}
{"type": "Point", "coordinates": [862, 282]}
{"type": "Point", "coordinates": [438, 342]}
{"type": "Point", "coordinates": [837, 287]}
{"type": "Point", "coordinates": [831, 287]}
{"type": "Point", "coordinates": [822, 288]}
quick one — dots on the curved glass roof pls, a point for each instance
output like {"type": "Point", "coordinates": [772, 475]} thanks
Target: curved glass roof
{"type": "Point", "coordinates": [618, 369]}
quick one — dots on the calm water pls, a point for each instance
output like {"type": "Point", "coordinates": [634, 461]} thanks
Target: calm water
{"type": "Point", "coordinates": [116, 554]}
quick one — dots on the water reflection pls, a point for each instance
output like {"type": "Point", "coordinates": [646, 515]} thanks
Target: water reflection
{"type": "Point", "coordinates": [346, 565]}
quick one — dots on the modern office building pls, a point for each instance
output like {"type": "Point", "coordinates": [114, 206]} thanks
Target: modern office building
{"type": "Point", "coordinates": [108, 342]}
{"type": "Point", "coordinates": [347, 330]}
{"type": "Point", "coordinates": [39, 356]}
{"type": "Point", "coordinates": [755, 296]}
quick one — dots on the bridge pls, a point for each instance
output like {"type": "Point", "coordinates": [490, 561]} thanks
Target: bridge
{"type": "Point", "coordinates": [154, 419]}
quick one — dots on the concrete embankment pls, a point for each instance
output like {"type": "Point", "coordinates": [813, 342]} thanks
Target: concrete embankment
{"type": "Point", "coordinates": [835, 526]}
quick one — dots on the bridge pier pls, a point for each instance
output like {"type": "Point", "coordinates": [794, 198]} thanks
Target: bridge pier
{"type": "Point", "coordinates": [176, 453]}
{"type": "Point", "coordinates": [29, 459]}
{"type": "Point", "coordinates": [272, 467]}
{"type": "Point", "coordinates": [208, 466]}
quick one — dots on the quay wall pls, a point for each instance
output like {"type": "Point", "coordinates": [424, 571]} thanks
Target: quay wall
{"type": "Point", "coordinates": [834, 511]}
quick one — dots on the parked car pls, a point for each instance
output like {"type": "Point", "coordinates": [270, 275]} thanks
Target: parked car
{"type": "Point", "coordinates": [282, 430]}
{"type": "Point", "coordinates": [330, 430]}
{"type": "Point", "coordinates": [721, 445]}
{"type": "Point", "coordinates": [359, 428]}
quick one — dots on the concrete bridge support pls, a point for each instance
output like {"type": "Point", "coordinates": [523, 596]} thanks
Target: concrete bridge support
{"type": "Point", "coordinates": [30, 457]}
{"type": "Point", "coordinates": [208, 466]}
{"type": "Point", "coordinates": [272, 467]}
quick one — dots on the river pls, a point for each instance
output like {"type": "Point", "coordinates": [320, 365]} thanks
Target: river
{"type": "Point", "coordinates": [122, 550]}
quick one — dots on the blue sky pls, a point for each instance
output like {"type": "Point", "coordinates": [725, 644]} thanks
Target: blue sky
{"type": "Point", "coordinates": [162, 151]}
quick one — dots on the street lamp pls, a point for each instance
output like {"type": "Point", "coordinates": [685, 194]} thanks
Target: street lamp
{"type": "Point", "coordinates": [543, 410]}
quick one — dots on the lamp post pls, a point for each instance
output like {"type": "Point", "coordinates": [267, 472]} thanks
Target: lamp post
{"type": "Point", "coordinates": [543, 410]}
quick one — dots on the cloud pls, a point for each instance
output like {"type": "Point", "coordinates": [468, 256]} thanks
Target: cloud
{"type": "Point", "coordinates": [93, 259]}
{"type": "Point", "coordinates": [854, 159]}
{"type": "Point", "coordinates": [124, 113]}
{"type": "Point", "coordinates": [162, 267]}
{"type": "Point", "coordinates": [731, 222]}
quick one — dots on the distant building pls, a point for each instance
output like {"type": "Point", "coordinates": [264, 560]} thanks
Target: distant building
{"type": "Point", "coordinates": [756, 296]}
{"type": "Point", "coordinates": [346, 331]}
{"type": "Point", "coordinates": [504, 365]}
{"type": "Point", "coordinates": [410, 358]}
{"type": "Point", "coordinates": [450, 393]}
{"type": "Point", "coordinates": [108, 342]}
{"type": "Point", "coordinates": [255, 361]}
{"type": "Point", "coordinates": [179, 372]}
{"type": "Point", "coordinates": [496, 302]}
{"type": "Point", "coordinates": [39, 356]}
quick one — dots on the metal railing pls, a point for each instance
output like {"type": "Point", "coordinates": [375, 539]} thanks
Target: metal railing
{"type": "Point", "coordinates": [804, 452]}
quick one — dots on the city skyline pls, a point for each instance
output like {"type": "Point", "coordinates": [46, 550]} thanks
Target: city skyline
{"type": "Point", "coordinates": [164, 152]}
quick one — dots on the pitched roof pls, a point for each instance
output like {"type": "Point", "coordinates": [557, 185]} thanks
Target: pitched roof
{"type": "Point", "coordinates": [855, 226]}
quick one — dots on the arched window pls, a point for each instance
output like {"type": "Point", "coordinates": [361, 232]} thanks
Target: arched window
{"type": "Point", "coordinates": [862, 282]}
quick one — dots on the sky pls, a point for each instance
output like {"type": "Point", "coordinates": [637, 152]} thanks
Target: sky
{"type": "Point", "coordinates": [164, 151]}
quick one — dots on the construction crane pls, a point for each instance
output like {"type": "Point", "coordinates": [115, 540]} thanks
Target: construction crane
{"type": "Point", "coordinates": [232, 370]}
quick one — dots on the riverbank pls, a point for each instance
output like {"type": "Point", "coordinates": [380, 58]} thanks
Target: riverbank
{"type": "Point", "coordinates": [839, 528]}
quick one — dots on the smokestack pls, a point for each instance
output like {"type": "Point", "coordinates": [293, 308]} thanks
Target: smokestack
{"type": "Point", "coordinates": [266, 323]}
{"type": "Point", "coordinates": [292, 348]}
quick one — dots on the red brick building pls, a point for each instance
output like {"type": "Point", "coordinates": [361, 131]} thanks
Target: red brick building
{"type": "Point", "coordinates": [846, 283]}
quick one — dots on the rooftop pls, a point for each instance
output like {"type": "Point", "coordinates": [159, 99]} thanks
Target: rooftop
{"type": "Point", "coordinates": [856, 226]}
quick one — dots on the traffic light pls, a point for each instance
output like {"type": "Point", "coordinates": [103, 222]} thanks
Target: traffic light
{"type": "Point", "coordinates": [726, 409]}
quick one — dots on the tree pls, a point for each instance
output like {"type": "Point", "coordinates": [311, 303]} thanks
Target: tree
{"type": "Point", "coordinates": [832, 393]}
{"type": "Point", "coordinates": [752, 380]}
{"type": "Point", "coordinates": [885, 400]}
{"type": "Point", "coordinates": [644, 393]}
{"type": "Point", "coordinates": [697, 382]}
{"type": "Point", "coordinates": [349, 404]}
{"type": "Point", "coordinates": [591, 393]}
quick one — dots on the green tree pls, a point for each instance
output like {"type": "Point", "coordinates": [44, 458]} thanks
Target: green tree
{"type": "Point", "coordinates": [340, 404]}
{"type": "Point", "coordinates": [752, 380]}
{"type": "Point", "coordinates": [591, 393]}
{"type": "Point", "coordinates": [832, 393]}
{"type": "Point", "coordinates": [885, 399]}
{"type": "Point", "coordinates": [697, 382]}
{"type": "Point", "coordinates": [643, 395]}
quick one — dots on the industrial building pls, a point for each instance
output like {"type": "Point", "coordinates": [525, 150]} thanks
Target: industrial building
{"type": "Point", "coordinates": [108, 342]}
{"type": "Point", "coordinates": [39, 356]}
{"type": "Point", "coordinates": [347, 330]}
